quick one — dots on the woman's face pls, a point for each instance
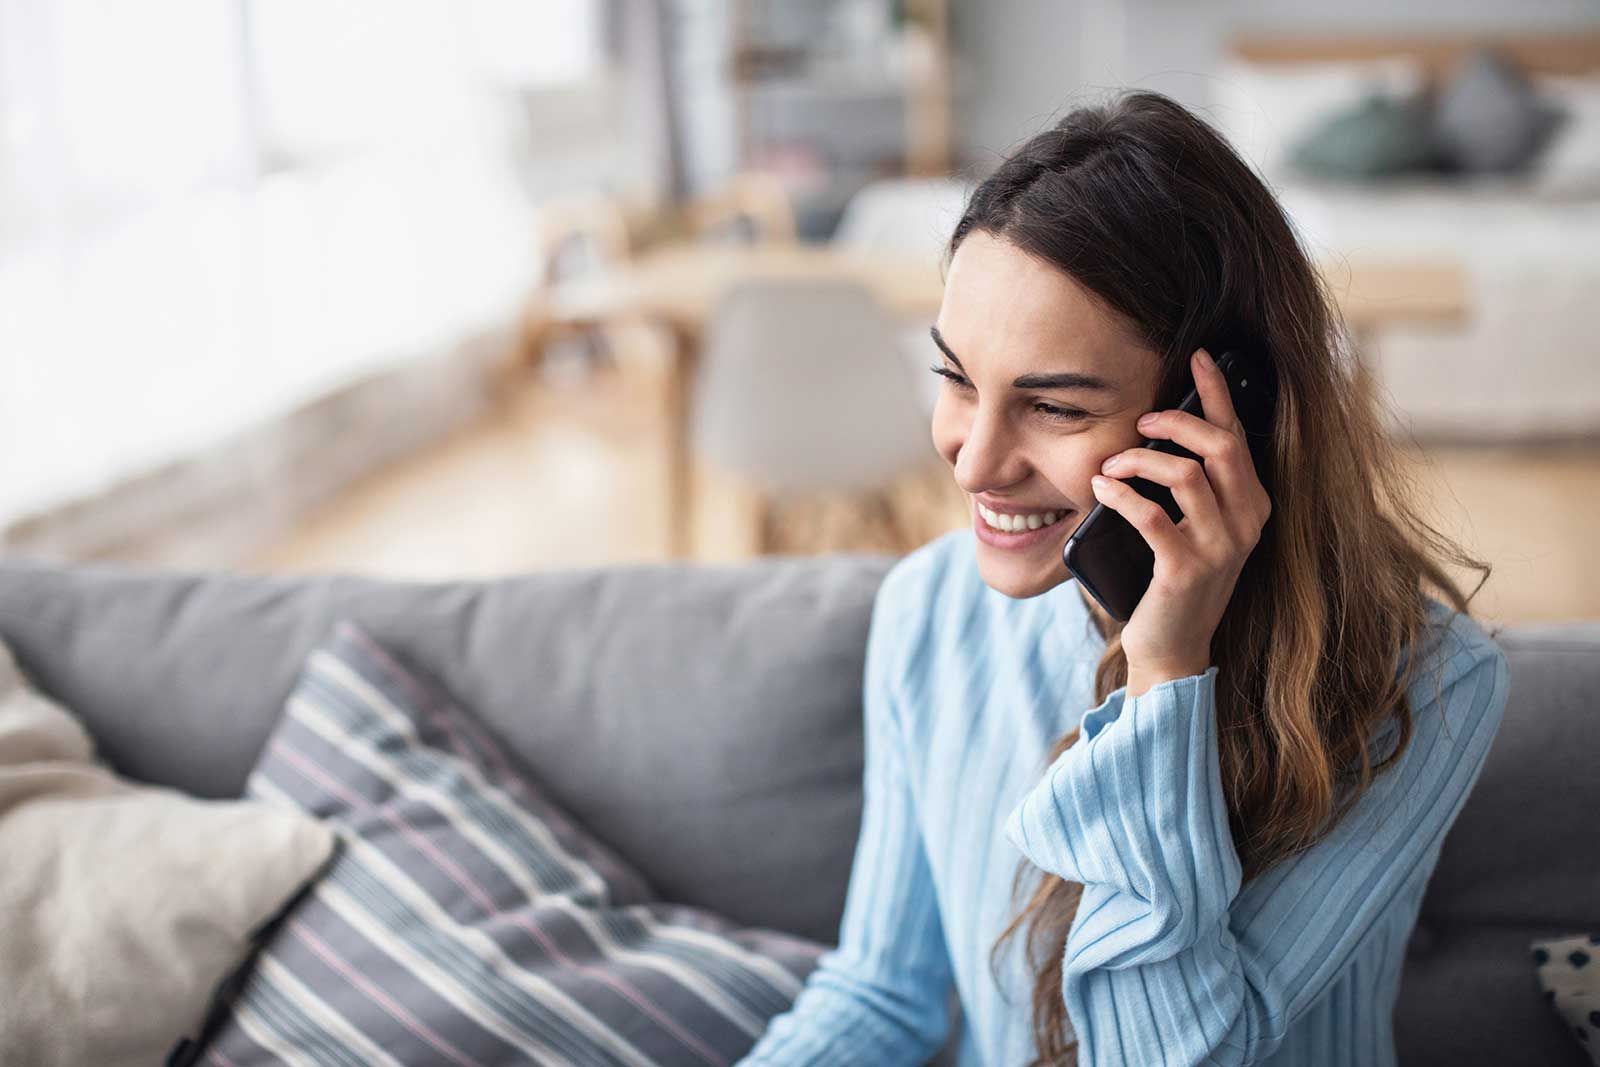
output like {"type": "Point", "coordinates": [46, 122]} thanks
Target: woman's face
{"type": "Point", "coordinates": [1031, 446]}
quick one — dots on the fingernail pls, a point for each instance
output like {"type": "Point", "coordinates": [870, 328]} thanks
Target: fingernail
{"type": "Point", "coordinates": [1204, 357]}
{"type": "Point", "coordinates": [1146, 419]}
{"type": "Point", "coordinates": [1101, 483]}
{"type": "Point", "coordinates": [1109, 465]}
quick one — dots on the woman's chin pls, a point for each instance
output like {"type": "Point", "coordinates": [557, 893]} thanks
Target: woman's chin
{"type": "Point", "coordinates": [1020, 578]}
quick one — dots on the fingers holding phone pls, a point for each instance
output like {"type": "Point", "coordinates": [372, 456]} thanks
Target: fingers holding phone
{"type": "Point", "coordinates": [1237, 503]}
{"type": "Point", "coordinates": [1197, 559]}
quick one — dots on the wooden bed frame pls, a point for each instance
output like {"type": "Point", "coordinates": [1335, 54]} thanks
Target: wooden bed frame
{"type": "Point", "coordinates": [1563, 53]}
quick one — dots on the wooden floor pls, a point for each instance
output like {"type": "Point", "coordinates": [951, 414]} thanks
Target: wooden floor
{"type": "Point", "coordinates": [571, 473]}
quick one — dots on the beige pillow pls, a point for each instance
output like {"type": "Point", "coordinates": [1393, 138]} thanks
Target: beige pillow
{"type": "Point", "coordinates": [121, 905]}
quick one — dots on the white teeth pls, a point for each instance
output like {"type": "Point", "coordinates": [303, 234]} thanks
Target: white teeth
{"type": "Point", "coordinates": [1015, 523]}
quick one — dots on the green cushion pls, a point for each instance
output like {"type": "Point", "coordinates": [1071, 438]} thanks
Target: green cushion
{"type": "Point", "coordinates": [1378, 135]}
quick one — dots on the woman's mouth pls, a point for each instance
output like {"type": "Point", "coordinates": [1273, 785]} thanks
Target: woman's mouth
{"type": "Point", "coordinates": [1014, 531]}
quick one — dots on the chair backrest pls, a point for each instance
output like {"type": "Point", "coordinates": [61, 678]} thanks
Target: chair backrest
{"type": "Point", "coordinates": [911, 215]}
{"type": "Point", "coordinates": [802, 384]}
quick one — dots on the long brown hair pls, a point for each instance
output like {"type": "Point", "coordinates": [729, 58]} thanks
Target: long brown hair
{"type": "Point", "coordinates": [1145, 205]}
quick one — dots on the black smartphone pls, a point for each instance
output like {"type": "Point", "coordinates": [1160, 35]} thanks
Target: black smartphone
{"type": "Point", "coordinates": [1106, 553]}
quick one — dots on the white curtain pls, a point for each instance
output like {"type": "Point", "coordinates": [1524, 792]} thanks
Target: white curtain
{"type": "Point", "coordinates": [211, 211]}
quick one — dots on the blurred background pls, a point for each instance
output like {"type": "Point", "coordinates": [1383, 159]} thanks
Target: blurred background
{"type": "Point", "coordinates": [435, 289]}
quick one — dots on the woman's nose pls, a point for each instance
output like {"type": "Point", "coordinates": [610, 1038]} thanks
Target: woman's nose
{"type": "Point", "coordinates": [988, 456]}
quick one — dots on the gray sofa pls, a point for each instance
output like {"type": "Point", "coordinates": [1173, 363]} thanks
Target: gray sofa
{"type": "Point", "coordinates": [707, 722]}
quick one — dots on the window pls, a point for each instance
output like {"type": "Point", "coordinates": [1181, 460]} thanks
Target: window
{"type": "Point", "coordinates": [211, 211]}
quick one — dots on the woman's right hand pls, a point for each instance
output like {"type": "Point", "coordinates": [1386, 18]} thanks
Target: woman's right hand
{"type": "Point", "coordinates": [1199, 559]}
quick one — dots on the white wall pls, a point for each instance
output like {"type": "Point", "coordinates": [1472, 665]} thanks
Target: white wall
{"type": "Point", "coordinates": [1023, 62]}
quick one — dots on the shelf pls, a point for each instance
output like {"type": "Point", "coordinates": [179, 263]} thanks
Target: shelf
{"type": "Point", "coordinates": [823, 89]}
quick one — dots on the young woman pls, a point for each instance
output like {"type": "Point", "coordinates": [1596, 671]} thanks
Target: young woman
{"type": "Point", "coordinates": [1226, 809]}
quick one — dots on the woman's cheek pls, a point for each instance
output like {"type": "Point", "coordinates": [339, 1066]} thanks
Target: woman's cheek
{"type": "Point", "coordinates": [1075, 479]}
{"type": "Point", "coordinates": [1114, 439]}
{"type": "Point", "coordinates": [1093, 454]}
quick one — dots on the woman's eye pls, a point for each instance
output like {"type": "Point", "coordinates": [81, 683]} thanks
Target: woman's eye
{"type": "Point", "coordinates": [1049, 411]}
{"type": "Point", "coordinates": [1064, 414]}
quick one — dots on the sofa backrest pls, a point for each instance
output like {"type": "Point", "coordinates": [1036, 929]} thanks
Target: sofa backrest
{"type": "Point", "coordinates": [1522, 862]}
{"type": "Point", "coordinates": [706, 721]}
{"type": "Point", "coordinates": [703, 720]}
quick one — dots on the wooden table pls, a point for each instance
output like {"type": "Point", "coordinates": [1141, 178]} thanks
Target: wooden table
{"type": "Point", "coordinates": [677, 286]}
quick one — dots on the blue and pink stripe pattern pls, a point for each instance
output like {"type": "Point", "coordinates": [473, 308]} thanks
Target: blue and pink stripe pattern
{"type": "Point", "coordinates": [466, 919]}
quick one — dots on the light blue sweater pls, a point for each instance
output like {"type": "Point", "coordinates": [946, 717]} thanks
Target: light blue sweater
{"type": "Point", "coordinates": [1170, 960]}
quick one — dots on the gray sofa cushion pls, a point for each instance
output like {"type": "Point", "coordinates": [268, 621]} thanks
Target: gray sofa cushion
{"type": "Point", "coordinates": [1522, 862]}
{"type": "Point", "coordinates": [706, 724]}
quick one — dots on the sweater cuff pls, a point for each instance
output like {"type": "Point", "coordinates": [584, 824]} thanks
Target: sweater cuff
{"type": "Point", "coordinates": [1137, 799]}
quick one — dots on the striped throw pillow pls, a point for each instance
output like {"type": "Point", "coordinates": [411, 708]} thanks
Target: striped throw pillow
{"type": "Point", "coordinates": [466, 919]}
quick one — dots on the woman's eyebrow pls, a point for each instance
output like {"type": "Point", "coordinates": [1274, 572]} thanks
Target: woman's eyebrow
{"type": "Point", "coordinates": [1064, 380]}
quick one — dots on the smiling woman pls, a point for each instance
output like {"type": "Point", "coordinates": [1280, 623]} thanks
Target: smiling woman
{"type": "Point", "coordinates": [1245, 785]}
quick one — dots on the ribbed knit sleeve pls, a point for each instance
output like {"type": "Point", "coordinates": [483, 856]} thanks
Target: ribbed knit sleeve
{"type": "Point", "coordinates": [1165, 962]}
{"type": "Point", "coordinates": [881, 997]}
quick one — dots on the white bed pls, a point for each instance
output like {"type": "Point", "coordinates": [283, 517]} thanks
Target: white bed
{"type": "Point", "coordinates": [1526, 363]}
